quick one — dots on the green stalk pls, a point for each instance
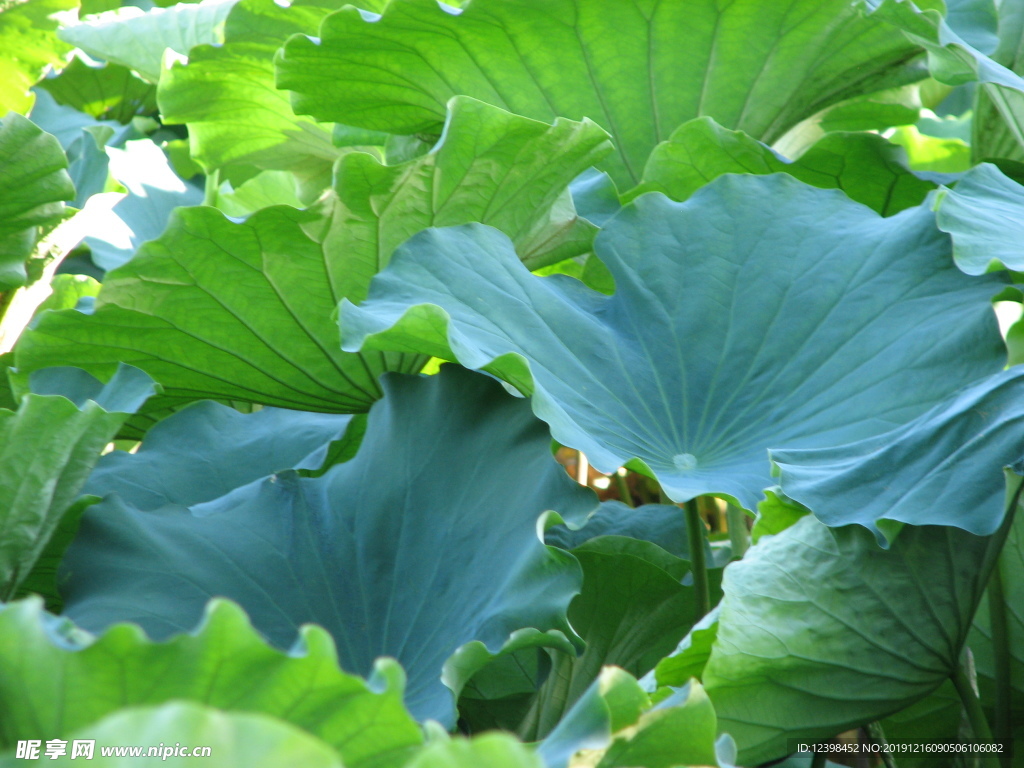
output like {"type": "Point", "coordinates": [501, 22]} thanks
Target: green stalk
{"type": "Point", "coordinates": [878, 736]}
{"type": "Point", "coordinates": [623, 488]}
{"type": "Point", "coordinates": [1001, 653]}
{"type": "Point", "coordinates": [818, 761]}
{"type": "Point", "coordinates": [975, 714]}
{"type": "Point", "coordinates": [211, 187]}
{"type": "Point", "coordinates": [739, 537]}
{"type": "Point", "coordinates": [698, 558]}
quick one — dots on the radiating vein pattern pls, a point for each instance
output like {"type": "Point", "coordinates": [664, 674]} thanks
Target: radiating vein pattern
{"type": "Point", "coordinates": [760, 313]}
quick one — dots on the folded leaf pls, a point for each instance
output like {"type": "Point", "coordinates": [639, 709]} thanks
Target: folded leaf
{"type": "Point", "coordinates": [47, 449]}
{"type": "Point", "coordinates": [983, 214]}
{"type": "Point", "coordinates": [950, 466]}
{"type": "Point", "coordinates": [34, 184]}
{"type": "Point", "coordinates": [440, 550]}
{"type": "Point", "coordinates": [754, 66]}
{"type": "Point", "coordinates": [57, 680]}
{"type": "Point", "coordinates": [865, 166]}
{"type": "Point", "coordinates": [736, 326]}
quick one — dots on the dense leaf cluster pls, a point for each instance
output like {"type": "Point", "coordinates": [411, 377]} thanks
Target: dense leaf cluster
{"type": "Point", "coordinates": [298, 300]}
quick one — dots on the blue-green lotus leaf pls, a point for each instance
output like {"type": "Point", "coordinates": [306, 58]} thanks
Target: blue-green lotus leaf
{"type": "Point", "coordinates": [759, 313]}
{"type": "Point", "coordinates": [949, 466]}
{"type": "Point", "coordinates": [441, 549]}
{"type": "Point", "coordinates": [207, 450]}
{"type": "Point", "coordinates": [984, 214]}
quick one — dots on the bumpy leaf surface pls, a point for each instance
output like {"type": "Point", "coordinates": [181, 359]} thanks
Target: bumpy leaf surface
{"type": "Point", "coordinates": [759, 313]}
{"type": "Point", "coordinates": [759, 67]}
{"type": "Point", "coordinates": [820, 629]}
{"type": "Point", "coordinates": [441, 549]}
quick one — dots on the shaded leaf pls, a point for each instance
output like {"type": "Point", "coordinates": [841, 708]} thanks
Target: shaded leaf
{"type": "Point", "coordinates": [440, 550]}
{"type": "Point", "coordinates": [865, 166]}
{"type": "Point", "coordinates": [808, 323]}
{"type": "Point", "coordinates": [756, 67]}
{"type": "Point", "coordinates": [109, 92]}
{"type": "Point", "coordinates": [58, 679]}
{"type": "Point", "coordinates": [495, 750]}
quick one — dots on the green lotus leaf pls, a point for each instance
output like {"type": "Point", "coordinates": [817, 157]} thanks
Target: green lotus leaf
{"type": "Point", "coordinates": [442, 549]}
{"type": "Point", "coordinates": [680, 730]}
{"type": "Point", "coordinates": [137, 39]}
{"type": "Point", "coordinates": [58, 680]}
{"type": "Point", "coordinates": [34, 184]}
{"type": "Point", "coordinates": [47, 449]}
{"type": "Point", "coordinates": [950, 462]}
{"type": "Point", "coordinates": [691, 655]}
{"type": "Point", "coordinates": [226, 95]}
{"type": "Point", "coordinates": [865, 166]}
{"type": "Point", "coordinates": [807, 323]}
{"type": "Point", "coordinates": [108, 92]}
{"type": "Point", "coordinates": [28, 44]}
{"type": "Point", "coordinates": [234, 740]}
{"type": "Point", "coordinates": [753, 66]}
{"type": "Point", "coordinates": [242, 310]}
{"type": "Point", "coordinates": [495, 750]}
{"type": "Point", "coordinates": [792, 661]}
{"type": "Point", "coordinates": [983, 214]}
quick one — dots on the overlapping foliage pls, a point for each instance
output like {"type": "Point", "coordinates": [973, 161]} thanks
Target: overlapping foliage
{"type": "Point", "coordinates": [748, 276]}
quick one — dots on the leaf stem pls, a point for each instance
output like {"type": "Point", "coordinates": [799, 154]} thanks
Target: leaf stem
{"type": "Point", "coordinates": [877, 735]}
{"type": "Point", "coordinates": [623, 488]}
{"type": "Point", "coordinates": [698, 558]}
{"type": "Point", "coordinates": [975, 713]}
{"type": "Point", "coordinates": [1001, 654]}
{"type": "Point", "coordinates": [818, 760]}
{"type": "Point", "coordinates": [739, 537]}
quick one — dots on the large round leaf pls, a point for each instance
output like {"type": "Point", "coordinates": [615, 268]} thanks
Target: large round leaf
{"type": "Point", "coordinates": [759, 313]}
{"type": "Point", "coordinates": [440, 549]}
{"type": "Point", "coordinates": [759, 67]}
